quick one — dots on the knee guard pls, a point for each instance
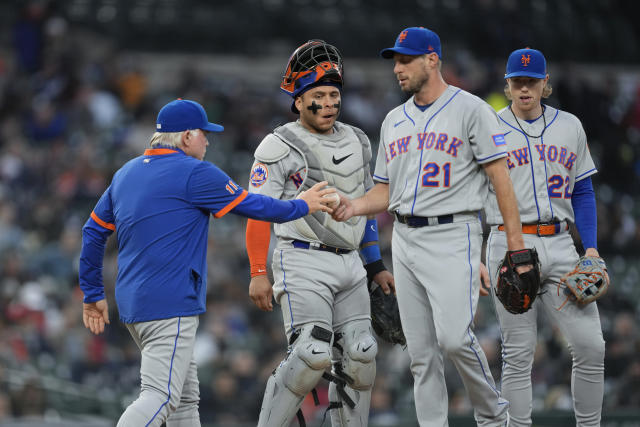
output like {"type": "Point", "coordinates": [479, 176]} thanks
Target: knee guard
{"type": "Point", "coordinates": [308, 357]}
{"type": "Point", "coordinates": [359, 349]}
{"type": "Point", "coordinates": [350, 389]}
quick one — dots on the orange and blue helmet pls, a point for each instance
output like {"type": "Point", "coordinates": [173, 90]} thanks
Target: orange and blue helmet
{"type": "Point", "coordinates": [314, 63]}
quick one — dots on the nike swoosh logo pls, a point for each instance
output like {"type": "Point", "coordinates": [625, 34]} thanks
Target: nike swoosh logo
{"type": "Point", "coordinates": [340, 160]}
{"type": "Point", "coordinates": [373, 229]}
{"type": "Point", "coordinates": [316, 352]}
{"type": "Point", "coordinates": [399, 123]}
{"type": "Point", "coordinates": [364, 350]}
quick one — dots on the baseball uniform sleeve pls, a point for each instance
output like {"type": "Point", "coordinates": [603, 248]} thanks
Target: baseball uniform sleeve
{"type": "Point", "coordinates": [211, 189]}
{"type": "Point", "coordinates": [485, 136]}
{"type": "Point", "coordinates": [95, 233]}
{"type": "Point", "coordinates": [368, 180]}
{"type": "Point", "coordinates": [267, 179]}
{"type": "Point", "coordinates": [584, 163]}
{"type": "Point", "coordinates": [380, 173]}
{"type": "Point", "coordinates": [265, 208]}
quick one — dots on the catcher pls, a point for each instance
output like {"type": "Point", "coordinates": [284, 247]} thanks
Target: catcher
{"type": "Point", "coordinates": [319, 278]}
{"type": "Point", "coordinates": [550, 166]}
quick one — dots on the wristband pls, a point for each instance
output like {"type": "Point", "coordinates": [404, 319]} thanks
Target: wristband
{"type": "Point", "coordinates": [374, 268]}
{"type": "Point", "coordinates": [369, 248]}
{"type": "Point", "coordinates": [258, 270]}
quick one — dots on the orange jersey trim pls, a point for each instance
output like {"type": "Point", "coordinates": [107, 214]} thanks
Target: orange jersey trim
{"type": "Point", "coordinates": [222, 212]}
{"type": "Point", "coordinates": [100, 222]}
{"type": "Point", "coordinates": [257, 238]}
{"type": "Point", "coordinates": [158, 151]}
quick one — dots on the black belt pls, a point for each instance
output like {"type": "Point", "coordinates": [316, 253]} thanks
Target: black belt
{"type": "Point", "coordinates": [422, 221]}
{"type": "Point", "coordinates": [319, 247]}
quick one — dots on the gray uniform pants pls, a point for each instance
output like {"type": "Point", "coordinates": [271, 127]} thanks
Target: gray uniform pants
{"type": "Point", "coordinates": [579, 325]}
{"type": "Point", "coordinates": [436, 270]}
{"type": "Point", "coordinates": [320, 288]}
{"type": "Point", "coordinates": [169, 378]}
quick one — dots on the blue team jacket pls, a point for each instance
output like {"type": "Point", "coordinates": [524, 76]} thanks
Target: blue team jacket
{"type": "Point", "coordinates": [159, 205]}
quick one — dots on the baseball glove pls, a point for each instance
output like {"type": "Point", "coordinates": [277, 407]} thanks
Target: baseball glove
{"type": "Point", "coordinates": [588, 281]}
{"type": "Point", "coordinates": [385, 317]}
{"type": "Point", "coordinates": [517, 292]}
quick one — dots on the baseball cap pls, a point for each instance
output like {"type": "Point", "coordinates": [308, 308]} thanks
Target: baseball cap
{"type": "Point", "coordinates": [183, 114]}
{"type": "Point", "coordinates": [526, 63]}
{"type": "Point", "coordinates": [414, 41]}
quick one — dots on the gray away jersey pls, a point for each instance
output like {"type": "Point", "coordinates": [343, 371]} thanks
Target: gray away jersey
{"type": "Point", "coordinates": [543, 170]}
{"type": "Point", "coordinates": [292, 159]}
{"type": "Point", "coordinates": [432, 159]}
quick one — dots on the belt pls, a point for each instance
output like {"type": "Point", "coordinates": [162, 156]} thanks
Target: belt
{"type": "Point", "coordinates": [422, 221]}
{"type": "Point", "coordinates": [319, 247]}
{"type": "Point", "coordinates": [543, 229]}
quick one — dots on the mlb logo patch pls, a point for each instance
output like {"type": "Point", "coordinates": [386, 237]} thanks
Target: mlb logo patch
{"type": "Point", "coordinates": [259, 175]}
{"type": "Point", "coordinates": [499, 139]}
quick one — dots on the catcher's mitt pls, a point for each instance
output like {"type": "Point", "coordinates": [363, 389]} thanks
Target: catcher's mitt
{"type": "Point", "coordinates": [588, 281]}
{"type": "Point", "coordinates": [385, 317]}
{"type": "Point", "coordinates": [516, 291]}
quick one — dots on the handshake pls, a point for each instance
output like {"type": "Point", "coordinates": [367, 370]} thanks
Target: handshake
{"type": "Point", "coordinates": [321, 198]}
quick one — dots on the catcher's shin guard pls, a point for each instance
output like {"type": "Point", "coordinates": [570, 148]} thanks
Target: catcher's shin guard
{"type": "Point", "coordinates": [355, 372]}
{"type": "Point", "coordinates": [343, 415]}
{"type": "Point", "coordinates": [297, 375]}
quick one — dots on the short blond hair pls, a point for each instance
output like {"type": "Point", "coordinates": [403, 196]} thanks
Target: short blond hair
{"type": "Point", "coordinates": [546, 91]}
{"type": "Point", "coordinates": [170, 139]}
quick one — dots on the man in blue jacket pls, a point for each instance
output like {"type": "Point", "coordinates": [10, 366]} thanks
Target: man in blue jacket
{"type": "Point", "coordinates": [159, 205]}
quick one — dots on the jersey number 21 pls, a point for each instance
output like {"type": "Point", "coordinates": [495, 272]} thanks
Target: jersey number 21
{"type": "Point", "coordinates": [430, 177]}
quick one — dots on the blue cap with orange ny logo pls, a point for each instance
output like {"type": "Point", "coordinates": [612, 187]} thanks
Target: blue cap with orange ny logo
{"type": "Point", "coordinates": [526, 63]}
{"type": "Point", "coordinates": [414, 41]}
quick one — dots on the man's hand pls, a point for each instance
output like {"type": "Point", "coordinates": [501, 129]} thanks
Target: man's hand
{"type": "Point", "coordinates": [386, 281]}
{"type": "Point", "coordinates": [344, 211]}
{"type": "Point", "coordinates": [594, 252]}
{"type": "Point", "coordinates": [485, 283]}
{"type": "Point", "coordinates": [95, 315]}
{"type": "Point", "coordinates": [261, 292]}
{"type": "Point", "coordinates": [376, 200]}
{"type": "Point", "coordinates": [314, 197]}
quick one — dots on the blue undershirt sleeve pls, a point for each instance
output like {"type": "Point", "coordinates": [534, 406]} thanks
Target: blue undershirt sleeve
{"type": "Point", "coordinates": [583, 201]}
{"type": "Point", "coordinates": [265, 208]}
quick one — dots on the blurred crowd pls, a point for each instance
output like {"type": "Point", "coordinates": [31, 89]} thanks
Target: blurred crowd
{"type": "Point", "coordinates": [73, 109]}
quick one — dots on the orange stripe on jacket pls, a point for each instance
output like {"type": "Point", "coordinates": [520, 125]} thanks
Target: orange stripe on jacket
{"type": "Point", "coordinates": [257, 238]}
{"type": "Point", "coordinates": [222, 212]}
{"type": "Point", "coordinates": [100, 222]}
{"type": "Point", "coordinates": [157, 151]}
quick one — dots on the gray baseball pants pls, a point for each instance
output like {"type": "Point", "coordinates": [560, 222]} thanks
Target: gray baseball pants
{"type": "Point", "coordinates": [579, 325]}
{"type": "Point", "coordinates": [436, 270]}
{"type": "Point", "coordinates": [169, 379]}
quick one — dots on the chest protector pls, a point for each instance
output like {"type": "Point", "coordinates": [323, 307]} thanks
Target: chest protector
{"type": "Point", "coordinates": [348, 176]}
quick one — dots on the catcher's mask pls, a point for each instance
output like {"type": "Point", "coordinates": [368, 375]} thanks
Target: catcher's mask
{"type": "Point", "coordinates": [310, 65]}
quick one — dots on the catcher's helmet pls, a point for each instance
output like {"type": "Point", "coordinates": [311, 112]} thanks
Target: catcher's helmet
{"type": "Point", "coordinates": [314, 62]}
